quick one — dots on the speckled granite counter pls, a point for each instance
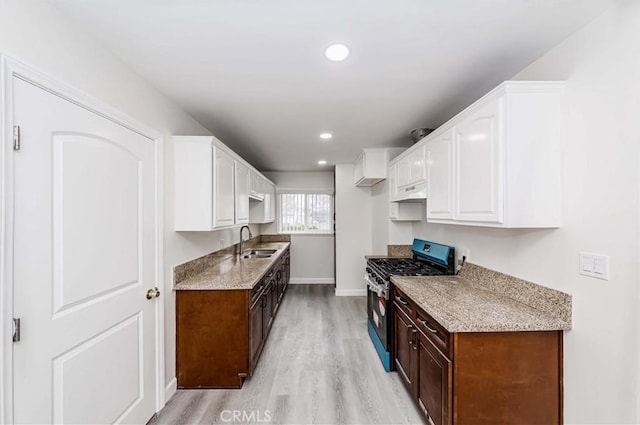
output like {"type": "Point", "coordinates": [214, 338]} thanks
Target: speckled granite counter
{"type": "Point", "coordinates": [483, 300]}
{"type": "Point", "coordinates": [233, 272]}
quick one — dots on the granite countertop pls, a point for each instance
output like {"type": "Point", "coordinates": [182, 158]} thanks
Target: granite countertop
{"type": "Point", "coordinates": [234, 272]}
{"type": "Point", "coordinates": [483, 300]}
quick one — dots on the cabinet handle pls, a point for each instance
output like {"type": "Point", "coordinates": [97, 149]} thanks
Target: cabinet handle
{"type": "Point", "coordinates": [410, 331]}
{"type": "Point", "coordinates": [426, 325]}
{"type": "Point", "coordinates": [401, 301]}
{"type": "Point", "coordinates": [409, 188]}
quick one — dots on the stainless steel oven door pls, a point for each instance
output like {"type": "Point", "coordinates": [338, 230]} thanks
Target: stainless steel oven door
{"type": "Point", "coordinates": [377, 310]}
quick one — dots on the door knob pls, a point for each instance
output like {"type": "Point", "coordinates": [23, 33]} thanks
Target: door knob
{"type": "Point", "coordinates": [153, 293]}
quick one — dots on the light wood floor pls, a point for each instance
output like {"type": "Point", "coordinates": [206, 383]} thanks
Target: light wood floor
{"type": "Point", "coordinates": [318, 366]}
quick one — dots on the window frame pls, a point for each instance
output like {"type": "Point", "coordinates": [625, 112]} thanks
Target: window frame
{"type": "Point", "coordinates": [306, 193]}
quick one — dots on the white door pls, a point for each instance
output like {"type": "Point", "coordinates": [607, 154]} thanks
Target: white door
{"type": "Point", "coordinates": [478, 147]}
{"type": "Point", "coordinates": [84, 257]}
{"type": "Point", "coordinates": [242, 193]}
{"type": "Point", "coordinates": [440, 166]}
{"type": "Point", "coordinates": [223, 197]}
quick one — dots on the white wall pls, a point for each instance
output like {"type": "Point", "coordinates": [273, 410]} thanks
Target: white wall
{"type": "Point", "coordinates": [353, 232]}
{"type": "Point", "coordinates": [312, 256]}
{"type": "Point", "coordinates": [384, 231]}
{"type": "Point", "coordinates": [600, 214]}
{"type": "Point", "coordinates": [37, 34]}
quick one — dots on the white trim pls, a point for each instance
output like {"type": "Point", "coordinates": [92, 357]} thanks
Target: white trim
{"type": "Point", "coordinates": [170, 389]}
{"type": "Point", "coordinates": [312, 280]}
{"type": "Point", "coordinates": [6, 247]}
{"type": "Point", "coordinates": [350, 292]}
{"type": "Point", "coordinates": [9, 68]}
{"type": "Point", "coordinates": [161, 399]}
{"type": "Point", "coordinates": [294, 190]}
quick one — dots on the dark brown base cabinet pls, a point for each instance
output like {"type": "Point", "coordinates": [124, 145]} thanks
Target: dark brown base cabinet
{"type": "Point", "coordinates": [221, 333]}
{"type": "Point", "coordinates": [477, 378]}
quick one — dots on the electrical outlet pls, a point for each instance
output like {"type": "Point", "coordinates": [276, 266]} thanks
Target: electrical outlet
{"type": "Point", "coordinates": [465, 252]}
{"type": "Point", "coordinates": [594, 265]}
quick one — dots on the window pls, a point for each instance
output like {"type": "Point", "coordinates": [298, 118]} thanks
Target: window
{"type": "Point", "coordinates": [305, 213]}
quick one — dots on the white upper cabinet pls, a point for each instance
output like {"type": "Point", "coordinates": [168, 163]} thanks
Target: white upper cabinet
{"type": "Point", "coordinates": [371, 166]}
{"type": "Point", "coordinates": [270, 204]}
{"type": "Point", "coordinates": [256, 186]}
{"type": "Point", "coordinates": [392, 173]}
{"type": "Point", "coordinates": [264, 211]}
{"type": "Point", "coordinates": [212, 185]}
{"type": "Point", "coordinates": [411, 175]}
{"type": "Point", "coordinates": [223, 189]}
{"type": "Point", "coordinates": [242, 183]}
{"type": "Point", "coordinates": [439, 155]}
{"type": "Point", "coordinates": [498, 162]}
{"type": "Point", "coordinates": [479, 165]}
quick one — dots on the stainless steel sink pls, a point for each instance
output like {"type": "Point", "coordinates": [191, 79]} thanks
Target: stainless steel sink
{"type": "Point", "coordinates": [250, 255]}
{"type": "Point", "coordinates": [263, 251]}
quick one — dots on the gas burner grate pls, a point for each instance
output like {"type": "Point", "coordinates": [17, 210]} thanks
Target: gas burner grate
{"type": "Point", "coordinates": [403, 267]}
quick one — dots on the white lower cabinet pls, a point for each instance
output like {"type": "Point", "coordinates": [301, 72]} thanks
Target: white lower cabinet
{"type": "Point", "coordinates": [498, 163]}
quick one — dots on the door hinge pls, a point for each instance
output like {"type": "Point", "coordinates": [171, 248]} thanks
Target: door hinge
{"type": "Point", "coordinates": [16, 137]}
{"type": "Point", "coordinates": [16, 329]}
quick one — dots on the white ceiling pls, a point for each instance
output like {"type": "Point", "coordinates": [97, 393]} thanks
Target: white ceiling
{"type": "Point", "coordinates": [253, 72]}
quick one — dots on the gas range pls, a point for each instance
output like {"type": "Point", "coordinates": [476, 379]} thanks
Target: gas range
{"type": "Point", "coordinates": [429, 259]}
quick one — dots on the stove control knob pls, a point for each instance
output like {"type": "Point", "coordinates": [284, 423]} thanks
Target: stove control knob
{"type": "Point", "coordinates": [368, 269]}
{"type": "Point", "coordinates": [380, 282]}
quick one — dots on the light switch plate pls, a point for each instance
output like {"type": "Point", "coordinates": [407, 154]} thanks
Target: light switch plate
{"type": "Point", "coordinates": [594, 265]}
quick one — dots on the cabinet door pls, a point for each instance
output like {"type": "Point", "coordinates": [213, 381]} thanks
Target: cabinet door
{"type": "Point", "coordinates": [392, 180]}
{"type": "Point", "coordinates": [241, 194]}
{"type": "Point", "coordinates": [267, 311]}
{"type": "Point", "coordinates": [359, 168]}
{"type": "Point", "coordinates": [270, 207]}
{"type": "Point", "coordinates": [403, 341]}
{"type": "Point", "coordinates": [434, 376]}
{"type": "Point", "coordinates": [223, 191]}
{"type": "Point", "coordinates": [255, 183]}
{"type": "Point", "coordinates": [417, 166]}
{"type": "Point", "coordinates": [255, 333]}
{"type": "Point", "coordinates": [440, 171]}
{"type": "Point", "coordinates": [479, 174]}
{"type": "Point", "coordinates": [403, 170]}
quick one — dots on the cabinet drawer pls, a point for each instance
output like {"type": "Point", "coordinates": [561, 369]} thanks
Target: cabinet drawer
{"type": "Point", "coordinates": [402, 302]}
{"type": "Point", "coordinates": [438, 335]}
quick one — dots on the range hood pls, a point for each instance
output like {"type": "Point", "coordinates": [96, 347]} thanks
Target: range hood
{"type": "Point", "coordinates": [256, 196]}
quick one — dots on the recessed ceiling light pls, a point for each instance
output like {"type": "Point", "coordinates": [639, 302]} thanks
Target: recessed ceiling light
{"type": "Point", "coordinates": [326, 136]}
{"type": "Point", "coordinates": [322, 162]}
{"type": "Point", "coordinates": [337, 52]}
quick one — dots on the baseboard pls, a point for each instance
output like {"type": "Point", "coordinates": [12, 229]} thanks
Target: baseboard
{"type": "Point", "coordinates": [350, 292]}
{"type": "Point", "coordinates": [312, 280]}
{"type": "Point", "coordinates": [170, 390]}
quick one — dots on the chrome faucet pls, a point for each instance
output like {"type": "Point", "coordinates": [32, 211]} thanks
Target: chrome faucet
{"type": "Point", "coordinates": [241, 240]}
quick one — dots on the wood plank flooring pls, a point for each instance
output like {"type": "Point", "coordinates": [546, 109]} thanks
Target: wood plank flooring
{"type": "Point", "coordinates": [318, 367]}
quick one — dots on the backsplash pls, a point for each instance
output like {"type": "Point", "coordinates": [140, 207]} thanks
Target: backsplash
{"type": "Point", "coordinates": [550, 301]}
{"type": "Point", "coordinates": [399, 251]}
{"type": "Point", "coordinates": [198, 265]}
{"type": "Point", "coordinates": [275, 238]}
